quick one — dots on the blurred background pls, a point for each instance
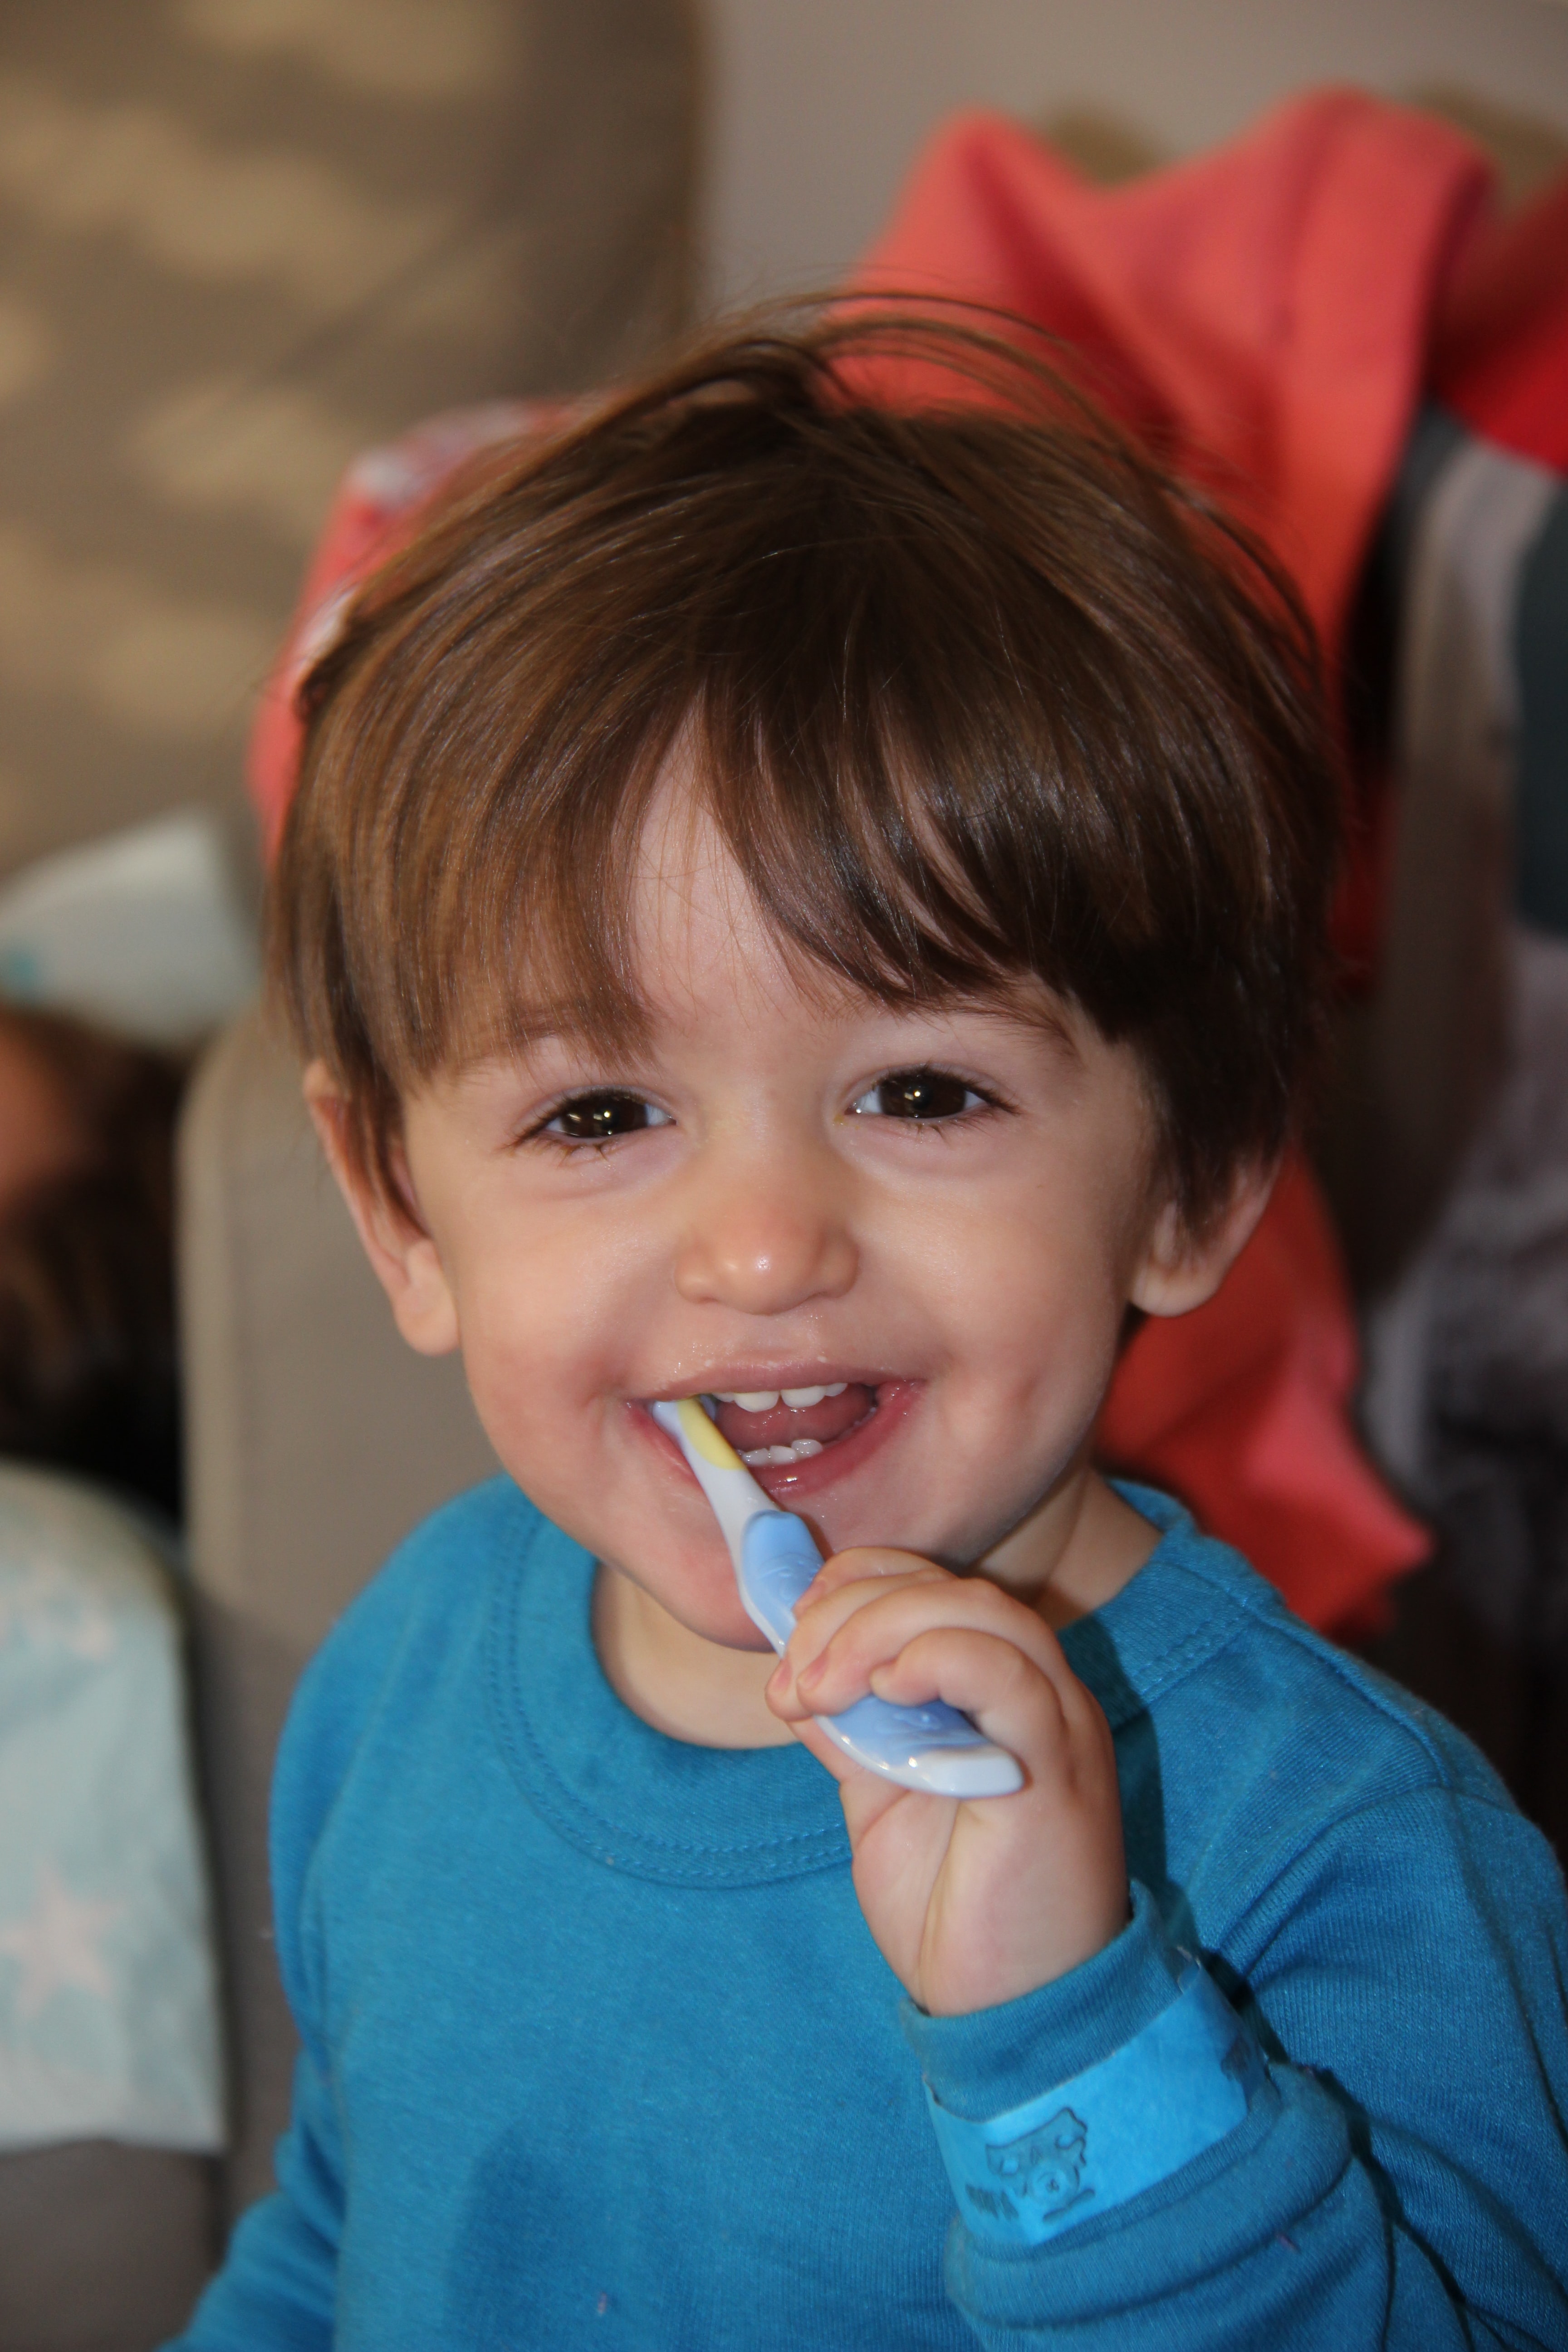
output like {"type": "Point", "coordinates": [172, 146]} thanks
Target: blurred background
{"type": "Point", "coordinates": [816, 108]}
{"type": "Point", "coordinates": [241, 240]}
{"type": "Point", "coordinates": [246, 248]}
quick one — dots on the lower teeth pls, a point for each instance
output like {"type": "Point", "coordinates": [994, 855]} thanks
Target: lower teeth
{"type": "Point", "coordinates": [775, 1457]}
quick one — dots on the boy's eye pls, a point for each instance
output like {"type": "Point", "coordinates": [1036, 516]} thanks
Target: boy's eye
{"type": "Point", "coordinates": [601, 1117]}
{"type": "Point", "coordinates": [922, 1094]}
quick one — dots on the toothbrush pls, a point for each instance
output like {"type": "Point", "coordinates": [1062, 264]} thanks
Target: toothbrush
{"type": "Point", "coordinates": [932, 1748]}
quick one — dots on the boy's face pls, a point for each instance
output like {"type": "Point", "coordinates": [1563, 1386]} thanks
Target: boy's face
{"type": "Point", "coordinates": [940, 1218]}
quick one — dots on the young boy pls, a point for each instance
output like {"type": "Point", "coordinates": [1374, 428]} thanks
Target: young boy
{"type": "Point", "coordinates": [824, 907]}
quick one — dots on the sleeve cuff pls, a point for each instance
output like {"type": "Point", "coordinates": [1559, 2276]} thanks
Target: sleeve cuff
{"type": "Point", "coordinates": [1097, 2138]}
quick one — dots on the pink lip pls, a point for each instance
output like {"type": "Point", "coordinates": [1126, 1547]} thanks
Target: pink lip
{"type": "Point", "coordinates": [737, 1377]}
{"type": "Point", "coordinates": [797, 1483]}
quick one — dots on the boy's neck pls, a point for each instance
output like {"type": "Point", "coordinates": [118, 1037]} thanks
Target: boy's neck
{"type": "Point", "coordinates": [685, 1686]}
{"type": "Point", "coordinates": [1073, 1553]}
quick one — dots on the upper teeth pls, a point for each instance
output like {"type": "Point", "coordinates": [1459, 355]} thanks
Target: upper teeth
{"type": "Point", "coordinates": [765, 1400]}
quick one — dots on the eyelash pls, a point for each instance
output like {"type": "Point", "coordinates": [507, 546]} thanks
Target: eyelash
{"type": "Point", "coordinates": [975, 1098]}
{"type": "Point", "coordinates": [976, 1101]}
{"type": "Point", "coordinates": [540, 1131]}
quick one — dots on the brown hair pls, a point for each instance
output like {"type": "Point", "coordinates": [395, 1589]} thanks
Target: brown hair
{"type": "Point", "coordinates": [973, 690]}
{"type": "Point", "coordinates": [88, 1380]}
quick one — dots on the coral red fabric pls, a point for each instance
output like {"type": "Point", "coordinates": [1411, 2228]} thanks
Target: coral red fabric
{"type": "Point", "coordinates": [1258, 315]}
{"type": "Point", "coordinates": [376, 507]}
{"type": "Point", "coordinates": [1242, 1409]}
{"type": "Point", "coordinates": [1261, 315]}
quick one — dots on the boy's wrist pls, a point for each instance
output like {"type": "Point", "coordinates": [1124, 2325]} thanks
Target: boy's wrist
{"type": "Point", "coordinates": [987, 2061]}
{"type": "Point", "coordinates": [1076, 2097]}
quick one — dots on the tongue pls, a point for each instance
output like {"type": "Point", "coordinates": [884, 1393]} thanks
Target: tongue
{"type": "Point", "coordinates": [780, 1426]}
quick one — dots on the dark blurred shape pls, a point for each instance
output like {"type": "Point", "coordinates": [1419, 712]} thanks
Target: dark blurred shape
{"type": "Point", "coordinates": [88, 1378]}
{"type": "Point", "coordinates": [102, 2247]}
{"type": "Point", "coordinates": [1105, 146]}
{"type": "Point", "coordinates": [1529, 149]}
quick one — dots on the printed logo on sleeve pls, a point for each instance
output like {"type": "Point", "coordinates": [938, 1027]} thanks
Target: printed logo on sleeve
{"type": "Point", "coordinates": [1043, 2171]}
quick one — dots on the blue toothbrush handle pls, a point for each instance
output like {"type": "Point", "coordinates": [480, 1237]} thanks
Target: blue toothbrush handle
{"type": "Point", "coordinates": [932, 1748]}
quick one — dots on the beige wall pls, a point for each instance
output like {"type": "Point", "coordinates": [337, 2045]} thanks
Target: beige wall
{"type": "Point", "coordinates": [817, 105]}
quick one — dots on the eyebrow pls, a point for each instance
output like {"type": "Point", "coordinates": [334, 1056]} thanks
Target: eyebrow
{"type": "Point", "coordinates": [1044, 1015]}
{"type": "Point", "coordinates": [510, 1029]}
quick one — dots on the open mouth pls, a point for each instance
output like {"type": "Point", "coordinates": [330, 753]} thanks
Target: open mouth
{"type": "Point", "coordinates": [799, 1441]}
{"type": "Point", "coordinates": [777, 1428]}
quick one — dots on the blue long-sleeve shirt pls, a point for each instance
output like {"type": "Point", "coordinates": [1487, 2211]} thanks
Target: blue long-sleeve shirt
{"type": "Point", "coordinates": [598, 2050]}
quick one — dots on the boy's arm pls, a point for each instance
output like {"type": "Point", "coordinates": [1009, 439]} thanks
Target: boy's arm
{"type": "Point", "coordinates": [277, 2290]}
{"type": "Point", "coordinates": [1395, 2176]}
{"type": "Point", "coordinates": [1336, 2210]}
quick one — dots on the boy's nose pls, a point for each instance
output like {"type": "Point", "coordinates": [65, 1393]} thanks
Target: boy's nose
{"type": "Point", "coordinates": [763, 1253]}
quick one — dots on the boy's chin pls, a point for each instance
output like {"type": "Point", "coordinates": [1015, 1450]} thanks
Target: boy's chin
{"type": "Point", "coordinates": [721, 1619]}
{"type": "Point", "coordinates": [709, 1608]}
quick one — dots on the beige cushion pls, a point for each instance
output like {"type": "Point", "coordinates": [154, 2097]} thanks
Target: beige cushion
{"type": "Point", "coordinates": [315, 1440]}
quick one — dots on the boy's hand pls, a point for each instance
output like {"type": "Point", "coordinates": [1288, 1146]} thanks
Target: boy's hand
{"type": "Point", "coordinates": [972, 1902]}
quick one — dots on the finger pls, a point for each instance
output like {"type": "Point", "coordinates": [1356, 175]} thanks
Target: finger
{"type": "Point", "coordinates": [868, 1625]}
{"type": "Point", "coordinates": [825, 1605]}
{"type": "Point", "coordinates": [863, 1563]}
{"type": "Point", "coordinates": [867, 1795]}
{"type": "Point", "coordinates": [1004, 1692]}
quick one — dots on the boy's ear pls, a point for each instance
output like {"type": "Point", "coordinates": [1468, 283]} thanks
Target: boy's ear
{"type": "Point", "coordinates": [405, 1257]}
{"type": "Point", "coordinates": [1180, 1268]}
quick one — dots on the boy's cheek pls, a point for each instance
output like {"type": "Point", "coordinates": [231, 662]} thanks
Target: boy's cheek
{"type": "Point", "coordinates": [580, 1460]}
{"type": "Point", "coordinates": [542, 1352]}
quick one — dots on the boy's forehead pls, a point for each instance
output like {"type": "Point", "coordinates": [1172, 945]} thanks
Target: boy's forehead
{"type": "Point", "coordinates": [697, 935]}
{"type": "Point", "coordinates": [695, 960]}
{"type": "Point", "coordinates": [703, 945]}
